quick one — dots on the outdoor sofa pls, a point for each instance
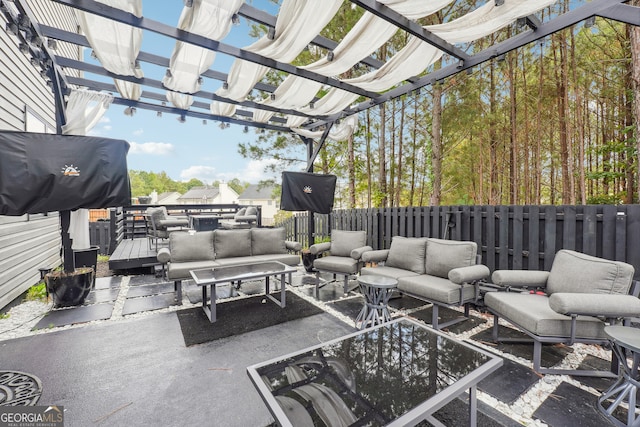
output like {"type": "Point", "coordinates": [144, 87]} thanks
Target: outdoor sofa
{"type": "Point", "coordinates": [571, 303]}
{"type": "Point", "coordinates": [206, 249]}
{"type": "Point", "coordinates": [442, 272]}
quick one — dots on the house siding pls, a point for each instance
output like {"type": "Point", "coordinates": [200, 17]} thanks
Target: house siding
{"type": "Point", "coordinates": [28, 242]}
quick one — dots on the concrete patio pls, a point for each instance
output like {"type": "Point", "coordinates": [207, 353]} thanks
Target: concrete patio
{"type": "Point", "coordinates": [133, 367]}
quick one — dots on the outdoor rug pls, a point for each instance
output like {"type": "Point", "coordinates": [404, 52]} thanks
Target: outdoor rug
{"type": "Point", "coordinates": [240, 316]}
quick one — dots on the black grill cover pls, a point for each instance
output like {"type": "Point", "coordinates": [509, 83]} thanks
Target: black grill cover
{"type": "Point", "coordinates": [43, 173]}
{"type": "Point", "coordinates": [303, 191]}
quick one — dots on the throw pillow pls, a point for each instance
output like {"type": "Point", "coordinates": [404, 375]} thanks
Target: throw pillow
{"type": "Point", "coordinates": [343, 242]}
{"type": "Point", "coordinates": [232, 243]}
{"type": "Point", "coordinates": [407, 253]}
{"type": "Point", "coordinates": [445, 255]}
{"type": "Point", "coordinates": [573, 271]}
{"type": "Point", "coordinates": [191, 247]}
{"type": "Point", "coordinates": [268, 241]}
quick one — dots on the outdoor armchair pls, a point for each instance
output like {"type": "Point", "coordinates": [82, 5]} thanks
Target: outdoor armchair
{"type": "Point", "coordinates": [244, 218]}
{"type": "Point", "coordinates": [160, 224]}
{"type": "Point", "coordinates": [345, 249]}
{"type": "Point", "coordinates": [572, 303]}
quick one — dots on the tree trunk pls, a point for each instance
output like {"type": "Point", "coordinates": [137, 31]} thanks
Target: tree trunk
{"type": "Point", "coordinates": [382, 160]}
{"type": "Point", "coordinates": [400, 153]}
{"type": "Point", "coordinates": [368, 145]}
{"type": "Point", "coordinates": [436, 146]}
{"type": "Point", "coordinates": [635, 86]}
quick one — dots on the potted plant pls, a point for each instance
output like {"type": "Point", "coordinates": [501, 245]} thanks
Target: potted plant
{"type": "Point", "coordinates": [308, 257]}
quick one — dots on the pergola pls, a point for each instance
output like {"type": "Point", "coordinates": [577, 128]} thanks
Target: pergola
{"type": "Point", "coordinates": [294, 106]}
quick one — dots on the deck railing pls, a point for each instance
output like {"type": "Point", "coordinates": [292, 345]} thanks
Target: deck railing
{"type": "Point", "coordinates": [508, 237]}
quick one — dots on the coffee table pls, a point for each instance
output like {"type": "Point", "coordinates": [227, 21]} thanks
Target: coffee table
{"type": "Point", "coordinates": [398, 373]}
{"type": "Point", "coordinates": [210, 277]}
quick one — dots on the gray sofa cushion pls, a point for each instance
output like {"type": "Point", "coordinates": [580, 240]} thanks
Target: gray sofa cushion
{"type": "Point", "coordinates": [436, 289]}
{"type": "Point", "coordinates": [386, 271]}
{"type": "Point", "coordinates": [181, 270]}
{"type": "Point", "coordinates": [268, 241]}
{"type": "Point", "coordinates": [343, 242]}
{"type": "Point", "coordinates": [576, 272]}
{"type": "Point", "coordinates": [191, 247]}
{"type": "Point", "coordinates": [338, 264]}
{"type": "Point", "coordinates": [407, 253]}
{"type": "Point", "coordinates": [232, 243]}
{"type": "Point", "coordinates": [533, 313]}
{"type": "Point", "coordinates": [445, 255]}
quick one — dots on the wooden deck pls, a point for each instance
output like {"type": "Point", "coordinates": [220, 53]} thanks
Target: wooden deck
{"type": "Point", "coordinates": [133, 253]}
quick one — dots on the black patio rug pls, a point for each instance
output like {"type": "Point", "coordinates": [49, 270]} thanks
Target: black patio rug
{"type": "Point", "coordinates": [240, 316]}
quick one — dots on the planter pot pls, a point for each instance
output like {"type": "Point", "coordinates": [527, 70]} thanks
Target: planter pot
{"type": "Point", "coordinates": [69, 289]}
{"type": "Point", "coordinates": [307, 260]}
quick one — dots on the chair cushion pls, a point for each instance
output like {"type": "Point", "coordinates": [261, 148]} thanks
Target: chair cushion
{"type": "Point", "coordinates": [232, 243]}
{"type": "Point", "coordinates": [386, 271]}
{"type": "Point", "coordinates": [268, 241]}
{"type": "Point", "coordinates": [343, 242]}
{"type": "Point", "coordinates": [191, 247]}
{"type": "Point", "coordinates": [532, 313]}
{"type": "Point", "coordinates": [157, 214]}
{"type": "Point", "coordinates": [337, 264]}
{"type": "Point", "coordinates": [407, 253]}
{"type": "Point", "coordinates": [576, 272]}
{"type": "Point", "coordinates": [445, 255]}
{"type": "Point", "coordinates": [436, 289]}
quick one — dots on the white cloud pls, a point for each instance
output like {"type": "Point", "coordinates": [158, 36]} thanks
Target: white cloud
{"type": "Point", "coordinates": [206, 174]}
{"type": "Point", "coordinates": [253, 172]}
{"type": "Point", "coordinates": [138, 132]}
{"type": "Point", "coordinates": [101, 128]}
{"type": "Point", "coordinates": [155, 148]}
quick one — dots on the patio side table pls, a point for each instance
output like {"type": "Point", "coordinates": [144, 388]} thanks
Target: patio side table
{"type": "Point", "coordinates": [623, 339]}
{"type": "Point", "coordinates": [377, 291]}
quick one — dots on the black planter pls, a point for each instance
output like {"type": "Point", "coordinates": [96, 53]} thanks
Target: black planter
{"type": "Point", "coordinates": [69, 289]}
{"type": "Point", "coordinates": [87, 258]}
{"type": "Point", "coordinates": [307, 260]}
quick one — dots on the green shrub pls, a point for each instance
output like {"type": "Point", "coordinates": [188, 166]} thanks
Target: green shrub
{"type": "Point", "coordinates": [37, 292]}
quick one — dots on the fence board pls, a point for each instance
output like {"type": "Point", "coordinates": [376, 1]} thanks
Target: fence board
{"type": "Point", "coordinates": [503, 237]}
{"type": "Point", "coordinates": [516, 236]}
{"type": "Point", "coordinates": [490, 237]}
{"type": "Point", "coordinates": [609, 232]}
{"type": "Point", "coordinates": [569, 227]}
{"type": "Point", "coordinates": [550, 228]}
{"type": "Point", "coordinates": [533, 261]}
{"type": "Point", "coordinates": [589, 224]}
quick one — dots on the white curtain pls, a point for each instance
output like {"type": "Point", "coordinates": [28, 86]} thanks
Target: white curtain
{"type": "Point", "coordinates": [367, 35]}
{"type": "Point", "coordinates": [338, 132]}
{"type": "Point", "coordinates": [486, 19]}
{"type": "Point", "coordinates": [299, 21]}
{"type": "Point", "coordinates": [116, 45]}
{"type": "Point", "coordinates": [84, 110]}
{"type": "Point", "coordinates": [207, 18]}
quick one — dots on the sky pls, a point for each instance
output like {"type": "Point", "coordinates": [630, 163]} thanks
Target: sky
{"type": "Point", "coordinates": [192, 149]}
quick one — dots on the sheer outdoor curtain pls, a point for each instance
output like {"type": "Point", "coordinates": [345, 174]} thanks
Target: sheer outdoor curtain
{"type": "Point", "coordinates": [116, 45]}
{"type": "Point", "coordinates": [84, 110]}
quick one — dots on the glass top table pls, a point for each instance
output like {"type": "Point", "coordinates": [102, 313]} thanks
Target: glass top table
{"type": "Point", "coordinates": [208, 278]}
{"type": "Point", "coordinates": [398, 373]}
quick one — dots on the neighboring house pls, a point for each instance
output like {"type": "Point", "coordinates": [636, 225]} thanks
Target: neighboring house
{"type": "Point", "coordinates": [29, 242]}
{"type": "Point", "coordinates": [167, 198]}
{"type": "Point", "coordinates": [220, 195]}
{"type": "Point", "coordinates": [263, 196]}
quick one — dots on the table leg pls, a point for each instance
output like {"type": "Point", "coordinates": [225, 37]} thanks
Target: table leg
{"type": "Point", "coordinates": [209, 310]}
{"type": "Point", "coordinates": [473, 407]}
{"type": "Point", "coordinates": [283, 299]}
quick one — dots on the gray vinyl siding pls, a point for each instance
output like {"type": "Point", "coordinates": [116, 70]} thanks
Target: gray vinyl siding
{"type": "Point", "coordinates": [28, 242]}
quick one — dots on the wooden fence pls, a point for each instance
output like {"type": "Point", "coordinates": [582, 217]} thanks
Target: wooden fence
{"type": "Point", "coordinates": [508, 237]}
